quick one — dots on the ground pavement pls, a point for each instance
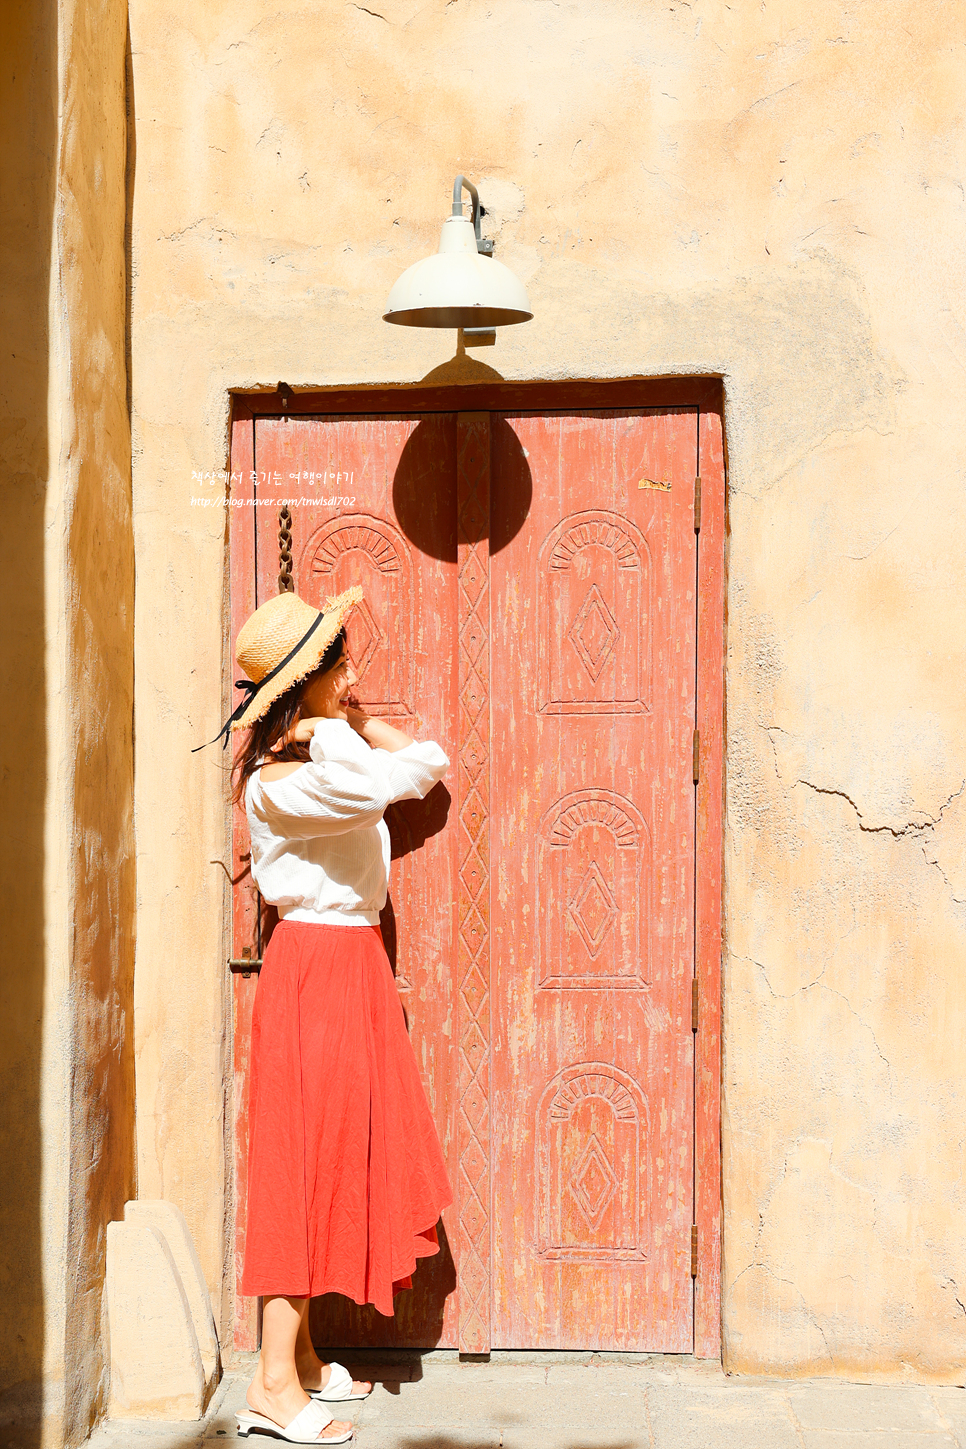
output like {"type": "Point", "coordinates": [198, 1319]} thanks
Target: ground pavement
{"type": "Point", "coordinates": [589, 1401]}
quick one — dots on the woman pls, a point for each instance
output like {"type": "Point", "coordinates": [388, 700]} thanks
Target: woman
{"type": "Point", "coordinates": [346, 1177]}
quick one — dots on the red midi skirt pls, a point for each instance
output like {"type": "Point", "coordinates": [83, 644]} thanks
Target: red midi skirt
{"type": "Point", "coordinates": [346, 1179]}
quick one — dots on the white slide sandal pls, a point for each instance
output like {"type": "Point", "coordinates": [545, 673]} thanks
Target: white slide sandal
{"type": "Point", "coordinates": [338, 1390]}
{"type": "Point", "coordinates": [305, 1428]}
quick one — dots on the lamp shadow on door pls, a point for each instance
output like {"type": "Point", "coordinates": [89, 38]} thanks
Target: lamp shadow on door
{"type": "Point", "coordinates": [424, 488]}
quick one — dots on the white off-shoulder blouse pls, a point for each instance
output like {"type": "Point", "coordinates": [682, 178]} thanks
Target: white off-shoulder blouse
{"type": "Point", "coordinates": [320, 847]}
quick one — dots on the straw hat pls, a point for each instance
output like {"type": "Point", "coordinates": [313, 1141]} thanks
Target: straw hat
{"type": "Point", "coordinates": [282, 642]}
{"type": "Point", "coordinates": [285, 639]}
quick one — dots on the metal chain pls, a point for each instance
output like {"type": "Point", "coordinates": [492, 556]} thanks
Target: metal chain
{"type": "Point", "coordinates": [285, 582]}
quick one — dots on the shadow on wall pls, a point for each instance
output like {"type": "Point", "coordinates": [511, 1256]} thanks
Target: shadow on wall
{"type": "Point", "coordinates": [28, 40]}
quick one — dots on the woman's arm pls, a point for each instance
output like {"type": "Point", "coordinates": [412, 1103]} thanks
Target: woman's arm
{"type": "Point", "coordinates": [347, 784]}
{"type": "Point", "coordinates": [379, 733]}
{"type": "Point", "coordinates": [414, 766]}
{"type": "Point", "coordinates": [414, 773]}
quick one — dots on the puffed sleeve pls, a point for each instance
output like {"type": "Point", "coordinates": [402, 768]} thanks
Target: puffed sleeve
{"type": "Point", "coordinates": [347, 784]}
{"type": "Point", "coordinates": [415, 769]}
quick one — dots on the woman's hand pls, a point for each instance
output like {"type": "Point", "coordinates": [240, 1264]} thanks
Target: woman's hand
{"type": "Point", "coordinates": [301, 732]}
{"type": "Point", "coordinates": [378, 733]}
{"type": "Point", "coordinates": [357, 717]}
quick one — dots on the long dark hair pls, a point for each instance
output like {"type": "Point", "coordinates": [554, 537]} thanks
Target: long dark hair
{"type": "Point", "coordinates": [280, 716]}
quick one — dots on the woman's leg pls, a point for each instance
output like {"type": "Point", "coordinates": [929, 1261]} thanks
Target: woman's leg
{"type": "Point", "coordinates": [275, 1390]}
{"type": "Point", "coordinates": [313, 1371]}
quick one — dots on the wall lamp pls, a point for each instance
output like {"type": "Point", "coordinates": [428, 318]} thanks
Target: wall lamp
{"type": "Point", "coordinates": [462, 285]}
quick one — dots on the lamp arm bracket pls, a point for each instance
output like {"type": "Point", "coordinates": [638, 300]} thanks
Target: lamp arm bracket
{"type": "Point", "coordinates": [461, 183]}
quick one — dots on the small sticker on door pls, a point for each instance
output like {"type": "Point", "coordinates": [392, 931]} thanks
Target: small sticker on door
{"type": "Point", "coordinates": [664, 485]}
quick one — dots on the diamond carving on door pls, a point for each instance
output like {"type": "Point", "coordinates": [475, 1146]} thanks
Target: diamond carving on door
{"type": "Point", "coordinates": [594, 632]}
{"type": "Point", "coordinates": [593, 909]}
{"type": "Point", "coordinates": [594, 580]}
{"type": "Point", "coordinates": [591, 893]}
{"type": "Point", "coordinates": [594, 1184]}
{"type": "Point", "coordinates": [542, 900]}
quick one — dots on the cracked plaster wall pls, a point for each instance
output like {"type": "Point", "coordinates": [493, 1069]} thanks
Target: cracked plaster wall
{"type": "Point", "coordinates": [767, 191]}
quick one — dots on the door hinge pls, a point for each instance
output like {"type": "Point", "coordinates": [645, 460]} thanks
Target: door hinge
{"type": "Point", "coordinates": [694, 1250]}
{"type": "Point", "coordinates": [694, 1004]}
{"type": "Point", "coordinates": [696, 756]}
{"type": "Point", "coordinates": [697, 503]}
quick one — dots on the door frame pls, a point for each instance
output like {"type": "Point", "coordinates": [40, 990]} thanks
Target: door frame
{"type": "Point", "coordinates": [706, 396]}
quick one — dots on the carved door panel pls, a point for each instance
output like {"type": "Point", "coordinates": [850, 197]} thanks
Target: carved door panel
{"type": "Point", "coordinates": [593, 612]}
{"type": "Point", "coordinates": [373, 503]}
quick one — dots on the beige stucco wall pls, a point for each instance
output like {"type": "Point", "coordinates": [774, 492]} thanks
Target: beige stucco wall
{"type": "Point", "coordinates": [66, 991]}
{"type": "Point", "coordinates": [773, 193]}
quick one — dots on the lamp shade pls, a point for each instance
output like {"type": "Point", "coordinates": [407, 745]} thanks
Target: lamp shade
{"type": "Point", "coordinates": [458, 287]}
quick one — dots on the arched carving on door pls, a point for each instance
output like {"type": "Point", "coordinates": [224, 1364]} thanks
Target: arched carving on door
{"type": "Point", "coordinates": [360, 548]}
{"type": "Point", "coordinates": [592, 881]}
{"type": "Point", "coordinates": [591, 1134]}
{"type": "Point", "coordinates": [594, 616]}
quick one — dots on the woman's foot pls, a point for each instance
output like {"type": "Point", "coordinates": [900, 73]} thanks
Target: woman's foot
{"type": "Point", "coordinates": [282, 1401]}
{"type": "Point", "coordinates": [314, 1374]}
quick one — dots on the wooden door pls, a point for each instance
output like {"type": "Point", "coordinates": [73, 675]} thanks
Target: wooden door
{"type": "Point", "coordinates": [593, 628]}
{"type": "Point", "coordinates": [372, 503]}
{"type": "Point", "coordinates": [531, 587]}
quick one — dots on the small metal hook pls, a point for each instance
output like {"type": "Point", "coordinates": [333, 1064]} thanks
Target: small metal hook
{"type": "Point", "coordinates": [233, 880]}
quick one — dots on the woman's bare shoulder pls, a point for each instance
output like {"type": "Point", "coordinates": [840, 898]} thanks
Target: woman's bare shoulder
{"type": "Point", "coordinates": [268, 773]}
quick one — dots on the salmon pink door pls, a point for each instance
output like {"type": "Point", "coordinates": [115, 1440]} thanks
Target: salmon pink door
{"type": "Point", "coordinates": [533, 593]}
{"type": "Point", "coordinates": [592, 851]}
